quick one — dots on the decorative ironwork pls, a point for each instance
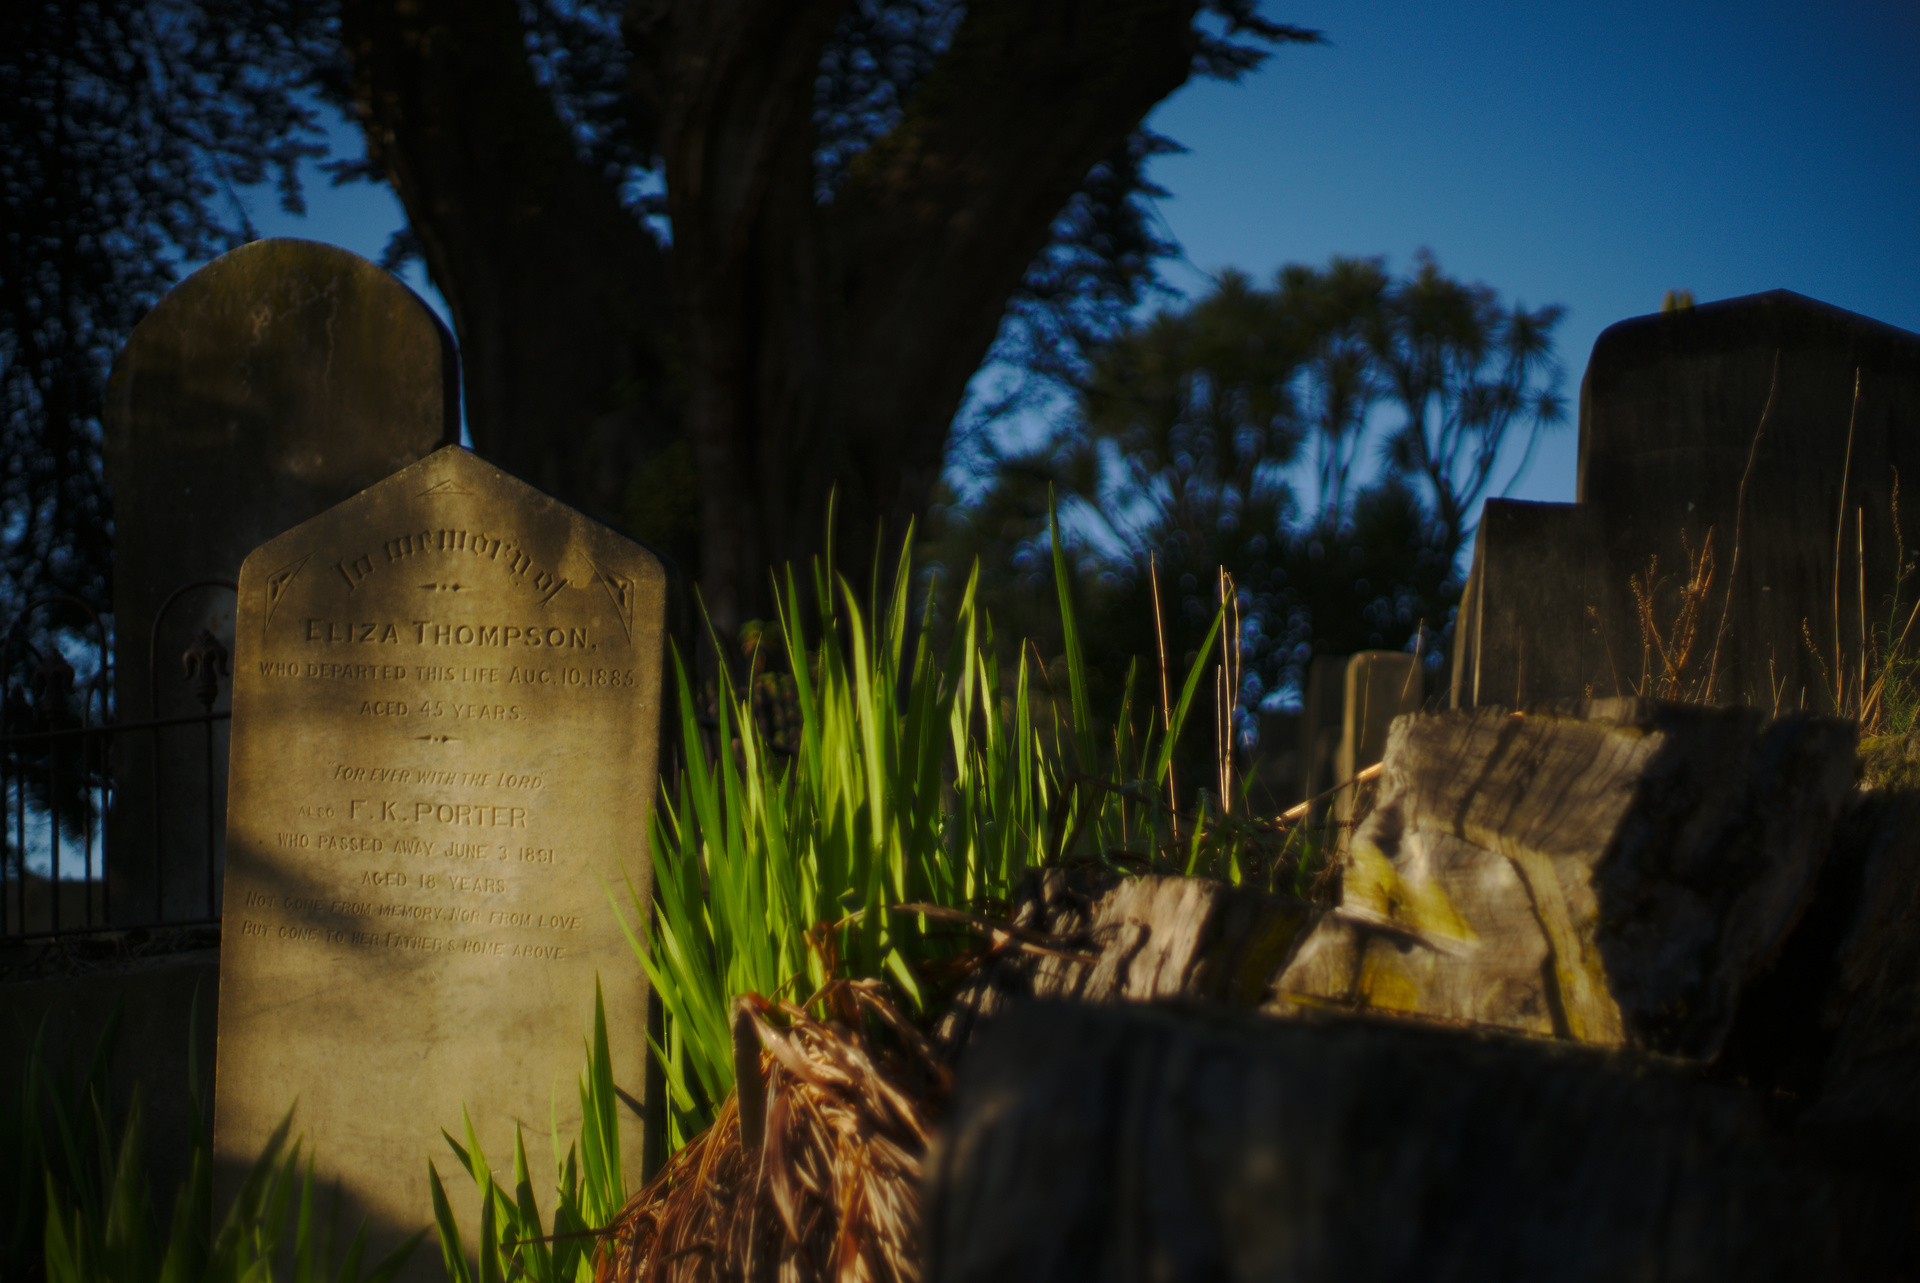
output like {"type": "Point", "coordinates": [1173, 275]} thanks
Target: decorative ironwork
{"type": "Point", "coordinates": [57, 757]}
{"type": "Point", "coordinates": [206, 663]}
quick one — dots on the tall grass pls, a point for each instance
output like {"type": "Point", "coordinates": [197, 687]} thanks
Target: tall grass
{"type": "Point", "coordinates": [80, 1209]}
{"type": "Point", "coordinates": [590, 1190]}
{"type": "Point", "coordinates": [918, 778]}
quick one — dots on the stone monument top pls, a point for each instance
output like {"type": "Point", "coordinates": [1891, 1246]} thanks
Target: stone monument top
{"type": "Point", "coordinates": [445, 724]}
{"type": "Point", "coordinates": [1739, 418]}
{"type": "Point", "coordinates": [269, 385]}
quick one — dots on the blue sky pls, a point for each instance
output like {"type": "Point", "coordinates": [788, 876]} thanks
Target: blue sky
{"type": "Point", "coordinates": [1582, 154]}
{"type": "Point", "coordinates": [1589, 155]}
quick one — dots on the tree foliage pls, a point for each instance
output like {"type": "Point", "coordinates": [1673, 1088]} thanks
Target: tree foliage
{"type": "Point", "coordinates": [751, 253]}
{"type": "Point", "coordinates": [125, 128]}
{"type": "Point", "coordinates": [707, 260]}
{"type": "Point", "coordinates": [1324, 441]}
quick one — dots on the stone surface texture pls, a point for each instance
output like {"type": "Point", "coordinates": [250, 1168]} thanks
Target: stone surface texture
{"type": "Point", "coordinates": [1614, 872]}
{"type": "Point", "coordinates": [1671, 431]}
{"type": "Point", "coordinates": [1129, 1142]}
{"type": "Point", "coordinates": [446, 715]}
{"type": "Point", "coordinates": [1147, 939]}
{"type": "Point", "coordinates": [1380, 686]}
{"type": "Point", "coordinates": [274, 382]}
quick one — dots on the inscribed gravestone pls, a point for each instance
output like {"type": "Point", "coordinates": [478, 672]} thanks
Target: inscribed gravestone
{"type": "Point", "coordinates": [445, 723]}
{"type": "Point", "coordinates": [1669, 414]}
{"type": "Point", "coordinates": [271, 384]}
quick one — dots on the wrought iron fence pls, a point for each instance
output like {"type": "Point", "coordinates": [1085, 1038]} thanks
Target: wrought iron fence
{"type": "Point", "coordinates": [66, 750]}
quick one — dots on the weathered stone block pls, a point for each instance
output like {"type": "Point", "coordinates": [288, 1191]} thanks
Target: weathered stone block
{"type": "Point", "coordinates": [1614, 873]}
{"type": "Point", "coordinates": [1128, 1142]}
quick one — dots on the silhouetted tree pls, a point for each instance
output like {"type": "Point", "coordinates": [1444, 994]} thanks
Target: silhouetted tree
{"type": "Point", "coordinates": [1231, 433]}
{"type": "Point", "coordinates": [125, 126]}
{"type": "Point", "coordinates": [708, 260]}
{"type": "Point", "coordinates": [854, 192]}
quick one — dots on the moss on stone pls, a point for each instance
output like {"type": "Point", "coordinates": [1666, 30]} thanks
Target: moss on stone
{"type": "Point", "coordinates": [1890, 763]}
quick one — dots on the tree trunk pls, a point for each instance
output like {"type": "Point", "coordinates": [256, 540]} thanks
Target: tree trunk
{"type": "Point", "coordinates": [558, 295]}
{"type": "Point", "coordinates": [818, 348]}
{"type": "Point", "coordinates": [828, 345]}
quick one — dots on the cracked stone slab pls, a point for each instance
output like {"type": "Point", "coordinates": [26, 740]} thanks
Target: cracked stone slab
{"type": "Point", "coordinates": [1611, 872]}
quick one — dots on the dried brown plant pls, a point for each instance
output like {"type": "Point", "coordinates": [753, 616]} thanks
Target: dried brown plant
{"type": "Point", "coordinates": [1879, 684]}
{"type": "Point", "coordinates": [1226, 689]}
{"type": "Point", "coordinates": [821, 1177]}
{"type": "Point", "coordinates": [1739, 519]}
{"type": "Point", "coordinates": [1166, 703]}
{"type": "Point", "coordinates": [1672, 647]}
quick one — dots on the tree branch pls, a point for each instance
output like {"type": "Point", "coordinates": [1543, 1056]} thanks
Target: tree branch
{"type": "Point", "coordinates": [558, 294]}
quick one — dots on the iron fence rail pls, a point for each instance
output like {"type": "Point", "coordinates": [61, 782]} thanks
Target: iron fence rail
{"type": "Point", "coordinates": [62, 765]}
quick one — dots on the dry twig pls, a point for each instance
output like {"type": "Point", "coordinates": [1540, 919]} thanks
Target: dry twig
{"type": "Point", "coordinates": [1674, 649]}
{"type": "Point", "coordinates": [1739, 517]}
{"type": "Point", "coordinates": [1166, 704]}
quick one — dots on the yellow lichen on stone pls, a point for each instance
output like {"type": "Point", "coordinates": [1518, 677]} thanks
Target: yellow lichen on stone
{"type": "Point", "coordinates": [1374, 891]}
{"type": "Point", "coordinates": [1890, 763]}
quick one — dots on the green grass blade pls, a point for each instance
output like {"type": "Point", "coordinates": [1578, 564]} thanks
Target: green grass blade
{"type": "Point", "coordinates": [1185, 702]}
{"type": "Point", "coordinates": [451, 1252]}
{"type": "Point", "coordinates": [1085, 745]}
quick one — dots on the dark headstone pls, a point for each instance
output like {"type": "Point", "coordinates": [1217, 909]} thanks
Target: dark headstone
{"type": "Point", "coordinates": [271, 384]}
{"type": "Point", "coordinates": [1533, 562]}
{"type": "Point", "coordinates": [1670, 415]}
{"type": "Point", "coordinates": [1323, 706]}
{"type": "Point", "coordinates": [1380, 686]}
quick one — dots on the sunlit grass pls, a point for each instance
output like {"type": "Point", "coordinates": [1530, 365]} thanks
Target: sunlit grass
{"type": "Point", "coordinates": [918, 778]}
{"type": "Point", "coordinates": [590, 1189]}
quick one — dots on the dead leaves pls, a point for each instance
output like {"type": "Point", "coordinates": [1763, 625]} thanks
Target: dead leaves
{"type": "Point", "coordinates": [832, 1190]}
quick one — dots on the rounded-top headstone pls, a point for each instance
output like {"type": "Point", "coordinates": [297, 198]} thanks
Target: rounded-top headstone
{"type": "Point", "coordinates": [268, 386]}
{"type": "Point", "coordinates": [1782, 425]}
{"type": "Point", "coordinates": [1671, 402]}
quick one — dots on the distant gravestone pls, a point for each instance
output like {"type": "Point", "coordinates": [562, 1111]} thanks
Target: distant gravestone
{"type": "Point", "coordinates": [446, 708]}
{"type": "Point", "coordinates": [1380, 686]}
{"type": "Point", "coordinates": [1323, 704]}
{"type": "Point", "coordinates": [271, 384]}
{"type": "Point", "coordinates": [1347, 704]}
{"type": "Point", "coordinates": [1671, 415]}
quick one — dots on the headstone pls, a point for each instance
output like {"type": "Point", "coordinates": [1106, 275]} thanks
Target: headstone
{"type": "Point", "coordinates": [446, 709]}
{"type": "Point", "coordinates": [1322, 706]}
{"type": "Point", "coordinates": [1671, 417]}
{"type": "Point", "coordinates": [1534, 563]}
{"type": "Point", "coordinates": [1346, 707]}
{"type": "Point", "coordinates": [268, 386]}
{"type": "Point", "coordinates": [1380, 686]}
{"type": "Point", "coordinates": [1273, 767]}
